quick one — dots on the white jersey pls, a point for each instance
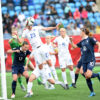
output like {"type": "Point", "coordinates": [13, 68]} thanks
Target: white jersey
{"type": "Point", "coordinates": [33, 36]}
{"type": "Point", "coordinates": [50, 49]}
{"type": "Point", "coordinates": [63, 45]}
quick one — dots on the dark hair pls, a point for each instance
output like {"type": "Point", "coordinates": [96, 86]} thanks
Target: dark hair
{"type": "Point", "coordinates": [87, 32]}
{"type": "Point", "coordinates": [25, 43]}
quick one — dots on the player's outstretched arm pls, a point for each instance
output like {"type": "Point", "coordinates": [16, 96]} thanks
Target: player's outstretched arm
{"type": "Point", "coordinates": [72, 43]}
{"type": "Point", "coordinates": [12, 51]}
{"type": "Point", "coordinates": [50, 28]}
{"type": "Point", "coordinates": [98, 43]}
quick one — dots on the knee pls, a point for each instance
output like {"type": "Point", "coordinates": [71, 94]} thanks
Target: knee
{"type": "Point", "coordinates": [71, 68]}
{"type": "Point", "coordinates": [49, 63]}
{"type": "Point", "coordinates": [63, 69]}
{"type": "Point", "coordinates": [77, 71]}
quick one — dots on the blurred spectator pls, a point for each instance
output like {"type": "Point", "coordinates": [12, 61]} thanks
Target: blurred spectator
{"type": "Point", "coordinates": [69, 30]}
{"type": "Point", "coordinates": [81, 8]}
{"type": "Point", "coordinates": [94, 8]}
{"type": "Point", "coordinates": [71, 1]}
{"type": "Point", "coordinates": [15, 16]}
{"type": "Point", "coordinates": [81, 25]}
{"type": "Point", "coordinates": [98, 29]}
{"type": "Point", "coordinates": [21, 17]}
{"type": "Point", "coordinates": [92, 30]}
{"type": "Point", "coordinates": [69, 14]}
{"type": "Point", "coordinates": [6, 35]}
{"type": "Point", "coordinates": [53, 11]}
{"type": "Point", "coordinates": [88, 24]}
{"type": "Point", "coordinates": [7, 22]}
{"type": "Point", "coordinates": [67, 8]}
{"type": "Point", "coordinates": [84, 14]}
{"type": "Point", "coordinates": [77, 16]}
{"type": "Point", "coordinates": [88, 8]}
{"type": "Point", "coordinates": [76, 30]}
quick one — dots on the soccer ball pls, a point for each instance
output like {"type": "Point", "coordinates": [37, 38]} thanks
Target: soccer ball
{"type": "Point", "coordinates": [30, 21]}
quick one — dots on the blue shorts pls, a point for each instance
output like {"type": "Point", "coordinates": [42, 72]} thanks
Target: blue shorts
{"type": "Point", "coordinates": [88, 66]}
{"type": "Point", "coordinates": [17, 69]}
{"type": "Point", "coordinates": [79, 64]}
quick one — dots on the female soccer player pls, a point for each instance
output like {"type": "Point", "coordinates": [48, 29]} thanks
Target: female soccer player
{"type": "Point", "coordinates": [64, 56]}
{"type": "Point", "coordinates": [14, 44]}
{"type": "Point", "coordinates": [88, 59]}
{"type": "Point", "coordinates": [18, 65]}
{"type": "Point", "coordinates": [52, 56]}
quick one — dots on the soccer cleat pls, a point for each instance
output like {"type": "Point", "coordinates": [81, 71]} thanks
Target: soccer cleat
{"type": "Point", "coordinates": [27, 95]}
{"type": "Point", "coordinates": [31, 93]}
{"type": "Point", "coordinates": [99, 76]}
{"type": "Point", "coordinates": [23, 87]}
{"type": "Point", "coordinates": [63, 85]}
{"type": "Point", "coordinates": [92, 94]}
{"type": "Point", "coordinates": [74, 85]}
{"type": "Point", "coordinates": [67, 87]}
{"type": "Point", "coordinates": [51, 87]}
{"type": "Point", "coordinates": [13, 96]}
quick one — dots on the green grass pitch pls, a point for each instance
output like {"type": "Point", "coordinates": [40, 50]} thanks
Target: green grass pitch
{"type": "Point", "coordinates": [80, 93]}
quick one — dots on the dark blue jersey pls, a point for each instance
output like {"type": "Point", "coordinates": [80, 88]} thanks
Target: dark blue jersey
{"type": "Point", "coordinates": [19, 58]}
{"type": "Point", "coordinates": [87, 49]}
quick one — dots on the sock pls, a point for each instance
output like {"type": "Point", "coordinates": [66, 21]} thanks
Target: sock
{"type": "Point", "coordinates": [29, 87]}
{"type": "Point", "coordinates": [72, 74]}
{"type": "Point", "coordinates": [14, 87]}
{"type": "Point", "coordinates": [89, 83]}
{"type": "Point", "coordinates": [64, 77]}
{"type": "Point", "coordinates": [83, 75]}
{"type": "Point", "coordinates": [20, 80]}
{"type": "Point", "coordinates": [39, 79]}
{"type": "Point", "coordinates": [76, 77]}
{"type": "Point", "coordinates": [27, 80]}
{"type": "Point", "coordinates": [94, 75]}
{"type": "Point", "coordinates": [54, 73]}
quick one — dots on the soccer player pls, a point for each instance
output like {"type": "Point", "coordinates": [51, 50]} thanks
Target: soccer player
{"type": "Point", "coordinates": [88, 59]}
{"type": "Point", "coordinates": [64, 56]}
{"type": "Point", "coordinates": [18, 65]}
{"type": "Point", "coordinates": [14, 44]}
{"type": "Point", "coordinates": [52, 52]}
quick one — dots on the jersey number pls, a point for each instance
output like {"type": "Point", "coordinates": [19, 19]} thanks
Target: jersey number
{"type": "Point", "coordinates": [32, 35]}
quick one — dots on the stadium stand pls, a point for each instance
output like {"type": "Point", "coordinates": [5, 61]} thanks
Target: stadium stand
{"type": "Point", "coordinates": [52, 11]}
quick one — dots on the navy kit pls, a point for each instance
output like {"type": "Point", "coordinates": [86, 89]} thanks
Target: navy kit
{"type": "Point", "coordinates": [18, 63]}
{"type": "Point", "coordinates": [87, 49]}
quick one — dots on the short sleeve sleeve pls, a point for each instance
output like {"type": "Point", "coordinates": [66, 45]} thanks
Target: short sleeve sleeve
{"type": "Point", "coordinates": [32, 54]}
{"type": "Point", "coordinates": [93, 41]}
{"type": "Point", "coordinates": [24, 34]}
{"type": "Point", "coordinates": [28, 52]}
{"type": "Point", "coordinates": [79, 45]}
{"type": "Point", "coordinates": [55, 41]}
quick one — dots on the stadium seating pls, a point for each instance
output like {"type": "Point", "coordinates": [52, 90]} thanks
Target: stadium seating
{"type": "Point", "coordinates": [90, 15]}
{"type": "Point", "coordinates": [4, 10]}
{"type": "Point", "coordinates": [11, 13]}
{"type": "Point", "coordinates": [18, 9]}
{"type": "Point", "coordinates": [26, 13]}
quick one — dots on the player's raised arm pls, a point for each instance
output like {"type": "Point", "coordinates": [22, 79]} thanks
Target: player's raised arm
{"type": "Point", "coordinates": [50, 28]}
{"type": "Point", "coordinates": [12, 51]}
{"type": "Point", "coordinates": [72, 43]}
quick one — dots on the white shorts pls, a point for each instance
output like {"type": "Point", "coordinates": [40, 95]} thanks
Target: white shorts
{"type": "Point", "coordinates": [43, 73]}
{"type": "Point", "coordinates": [65, 61]}
{"type": "Point", "coordinates": [53, 60]}
{"type": "Point", "coordinates": [41, 54]}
